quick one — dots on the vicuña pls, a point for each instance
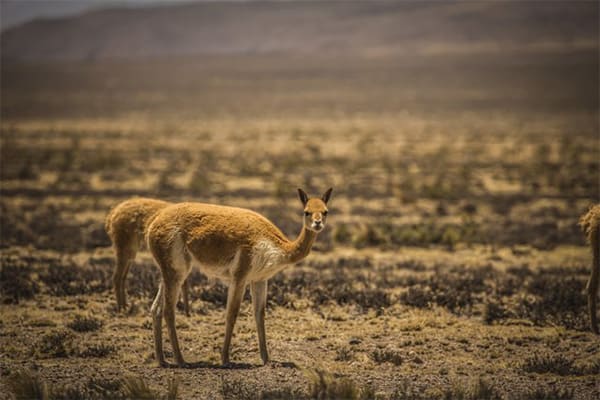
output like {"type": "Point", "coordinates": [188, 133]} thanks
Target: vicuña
{"type": "Point", "coordinates": [235, 245]}
{"type": "Point", "coordinates": [126, 226]}
{"type": "Point", "coordinates": [590, 223]}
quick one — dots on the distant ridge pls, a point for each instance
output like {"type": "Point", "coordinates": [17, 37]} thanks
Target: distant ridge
{"type": "Point", "coordinates": [363, 28]}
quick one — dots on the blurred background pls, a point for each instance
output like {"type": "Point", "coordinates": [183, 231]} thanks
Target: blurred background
{"type": "Point", "coordinates": [436, 122]}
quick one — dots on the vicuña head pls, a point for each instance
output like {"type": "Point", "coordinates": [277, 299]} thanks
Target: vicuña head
{"type": "Point", "coordinates": [239, 246]}
{"type": "Point", "coordinates": [315, 210]}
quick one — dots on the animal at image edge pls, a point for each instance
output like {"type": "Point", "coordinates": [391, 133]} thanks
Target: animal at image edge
{"type": "Point", "coordinates": [590, 224]}
{"type": "Point", "coordinates": [239, 246]}
{"type": "Point", "coordinates": [126, 226]}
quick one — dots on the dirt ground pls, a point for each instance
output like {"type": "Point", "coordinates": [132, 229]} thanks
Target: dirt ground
{"type": "Point", "coordinates": [450, 325]}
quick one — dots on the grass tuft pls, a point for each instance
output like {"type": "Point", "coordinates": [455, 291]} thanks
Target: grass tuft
{"type": "Point", "coordinates": [324, 386]}
{"type": "Point", "coordinates": [136, 388]}
{"type": "Point", "coordinates": [478, 390]}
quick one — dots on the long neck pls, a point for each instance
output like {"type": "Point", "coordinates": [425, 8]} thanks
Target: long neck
{"type": "Point", "coordinates": [299, 248]}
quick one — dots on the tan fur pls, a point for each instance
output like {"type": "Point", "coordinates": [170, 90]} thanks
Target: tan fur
{"type": "Point", "coordinates": [236, 245]}
{"type": "Point", "coordinates": [126, 226]}
{"type": "Point", "coordinates": [590, 224]}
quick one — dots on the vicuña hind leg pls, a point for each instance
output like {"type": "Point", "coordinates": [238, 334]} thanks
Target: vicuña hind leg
{"type": "Point", "coordinates": [125, 254]}
{"type": "Point", "coordinates": [157, 316]}
{"type": "Point", "coordinates": [171, 295]}
{"type": "Point", "coordinates": [259, 302]}
{"type": "Point", "coordinates": [174, 274]}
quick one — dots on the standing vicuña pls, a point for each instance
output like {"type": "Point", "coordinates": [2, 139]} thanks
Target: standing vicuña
{"type": "Point", "coordinates": [590, 223]}
{"type": "Point", "coordinates": [236, 245]}
{"type": "Point", "coordinates": [126, 226]}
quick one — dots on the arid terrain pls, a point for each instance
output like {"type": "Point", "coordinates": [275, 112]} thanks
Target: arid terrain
{"type": "Point", "coordinates": [452, 265]}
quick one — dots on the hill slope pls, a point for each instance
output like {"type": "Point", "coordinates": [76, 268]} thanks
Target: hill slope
{"type": "Point", "coordinates": [404, 28]}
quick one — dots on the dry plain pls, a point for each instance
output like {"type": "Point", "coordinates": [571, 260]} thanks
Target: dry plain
{"type": "Point", "coordinates": [452, 265]}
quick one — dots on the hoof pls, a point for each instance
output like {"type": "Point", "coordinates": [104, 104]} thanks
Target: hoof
{"type": "Point", "coordinates": [183, 364]}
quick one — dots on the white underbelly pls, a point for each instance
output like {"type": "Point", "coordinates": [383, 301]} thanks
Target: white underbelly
{"type": "Point", "coordinates": [266, 260]}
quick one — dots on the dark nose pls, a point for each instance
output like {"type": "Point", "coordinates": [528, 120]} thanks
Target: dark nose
{"type": "Point", "coordinates": [318, 222]}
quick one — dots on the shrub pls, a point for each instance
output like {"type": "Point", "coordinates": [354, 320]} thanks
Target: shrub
{"type": "Point", "coordinates": [97, 351]}
{"type": "Point", "coordinates": [369, 236]}
{"type": "Point", "coordinates": [344, 354]}
{"type": "Point", "coordinates": [417, 296]}
{"type": "Point", "coordinates": [549, 363]}
{"type": "Point", "coordinates": [85, 324]}
{"type": "Point", "coordinates": [55, 344]}
{"type": "Point", "coordinates": [493, 311]}
{"type": "Point", "coordinates": [387, 355]}
{"type": "Point", "coordinates": [15, 280]}
{"type": "Point", "coordinates": [63, 279]}
{"type": "Point", "coordinates": [342, 234]}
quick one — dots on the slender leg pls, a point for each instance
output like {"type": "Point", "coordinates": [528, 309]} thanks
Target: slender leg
{"type": "Point", "coordinates": [235, 293]}
{"type": "Point", "coordinates": [125, 254]}
{"type": "Point", "coordinates": [259, 302]}
{"type": "Point", "coordinates": [592, 285]}
{"type": "Point", "coordinates": [186, 302]}
{"type": "Point", "coordinates": [172, 288]}
{"type": "Point", "coordinates": [120, 266]}
{"type": "Point", "coordinates": [157, 315]}
{"type": "Point", "coordinates": [124, 283]}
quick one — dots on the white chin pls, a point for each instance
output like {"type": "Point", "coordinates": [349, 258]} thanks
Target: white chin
{"type": "Point", "coordinates": [316, 229]}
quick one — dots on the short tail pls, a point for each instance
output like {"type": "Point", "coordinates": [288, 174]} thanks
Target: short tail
{"type": "Point", "coordinates": [108, 222]}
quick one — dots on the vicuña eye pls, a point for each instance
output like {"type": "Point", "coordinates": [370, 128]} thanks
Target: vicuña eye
{"type": "Point", "coordinates": [325, 213]}
{"type": "Point", "coordinates": [306, 213]}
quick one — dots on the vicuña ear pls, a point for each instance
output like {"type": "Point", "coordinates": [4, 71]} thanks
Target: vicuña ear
{"type": "Point", "coordinates": [303, 196]}
{"type": "Point", "coordinates": [327, 195]}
